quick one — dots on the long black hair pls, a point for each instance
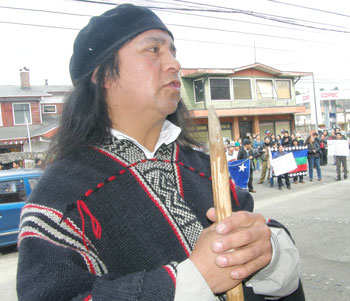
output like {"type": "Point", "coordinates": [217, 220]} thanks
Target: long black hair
{"type": "Point", "coordinates": [85, 121]}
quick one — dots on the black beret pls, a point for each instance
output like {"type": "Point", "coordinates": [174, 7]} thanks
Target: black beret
{"type": "Point", "coordinates": [108, 32]}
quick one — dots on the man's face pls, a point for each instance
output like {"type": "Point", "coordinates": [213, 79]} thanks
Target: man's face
{"type": "Point", "coordinates": [280, 148]}
{"type": "Point", "coordinates": [148, 84]}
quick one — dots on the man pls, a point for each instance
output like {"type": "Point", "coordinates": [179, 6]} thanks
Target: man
{"type": "Point", "coordinates": [313, 156]}
{"type": "Point", "coordinates": [300, 139]}
{"type": "Point", "coordinates": [124, 211]}
{"type": "Point", "coordinates": [341, 161]}
{"type": "Point", "coordinates": [246, 152]}
{"type": "Point", "coordinates": [39, 163]}
{"type": "Point", "coordinates": [286, 139]}
{"type": "Point", "coordinates": [16, 164]}
{"type": "Point", "coordinates": [265, 159]}
{"type": "Point", "coordinates": [280, 153]}
{"type": "Point", "coordinates": [230, 154]}
{"type": "Point", "coordinates": [256, 146]}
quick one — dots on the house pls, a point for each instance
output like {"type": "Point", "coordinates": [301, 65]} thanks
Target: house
{"type": "Point", "coordinates": [29, 111]}
{"type": "Point", "coordinates": [248, 99]}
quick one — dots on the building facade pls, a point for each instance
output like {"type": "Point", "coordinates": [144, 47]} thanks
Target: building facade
{"type": "Point", "coordinates": [333, 110]}
{"type": "Point", "coordinates": [29, 115]}
{"type": "Point", "coordinates": [250, 99]}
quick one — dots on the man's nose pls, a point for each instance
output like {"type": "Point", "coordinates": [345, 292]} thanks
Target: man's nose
{"type": "Point", "coordinates": [171, 63]}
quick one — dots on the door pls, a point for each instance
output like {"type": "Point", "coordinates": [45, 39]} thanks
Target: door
{"type": "Point", "coordinates": [245, 127]}
{"type": "Point", "coordinates": [12, 197]}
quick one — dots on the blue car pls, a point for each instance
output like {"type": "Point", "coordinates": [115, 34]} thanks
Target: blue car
{"type": "Point", "coordinates": [15, 187]}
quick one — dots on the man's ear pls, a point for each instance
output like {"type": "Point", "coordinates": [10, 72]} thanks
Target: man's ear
{"type": "Point", "coordinates": [94, 74]}
{"type": "Point", "coordinates": [107, 80]}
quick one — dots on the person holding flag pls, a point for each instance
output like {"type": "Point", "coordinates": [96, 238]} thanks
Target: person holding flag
{"type": "Point", "coordinates": [280, 153]}
{"type": "Point", "coordinates": [246, 152]}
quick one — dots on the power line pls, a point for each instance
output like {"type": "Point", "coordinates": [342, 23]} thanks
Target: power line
{"type": "Point", "coordinates": [178, 25]}
{"type": "Point", "coordinates": [251, 13]}
{"type": "Point", "coordinates": [186, 40]}
{"type": "Point", "coordinates": [234, 44]}
{"type": "Point", "coordinates": [45, 11]}
{"type": "Point", "coordinates": [227, 19]}
{"type": "Point", "coordinates": [243, 32]}
{"type": "Point", "coordinates": [39, 25]}
{"type": "Point", "coordinates": [311, 8]}
{"type": "Point", "coordinates": [281, 19]}
{"type": "Point", "coordinates": [176, 12]}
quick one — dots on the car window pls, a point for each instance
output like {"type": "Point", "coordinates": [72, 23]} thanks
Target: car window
{"type": "Point", "coordinates": [12, 191]}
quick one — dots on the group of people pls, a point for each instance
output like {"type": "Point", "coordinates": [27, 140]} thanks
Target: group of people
{"type": "Point", "coordinates": [260, 151]}
{"type": "Point", "coordinates": [17, 164]}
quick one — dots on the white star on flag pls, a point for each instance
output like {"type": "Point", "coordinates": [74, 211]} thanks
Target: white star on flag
{"type": "Point", "coordinates": [242, 167]}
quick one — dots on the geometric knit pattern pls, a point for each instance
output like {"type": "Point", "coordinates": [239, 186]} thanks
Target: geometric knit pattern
{"type": "Point", "coordinates": [163, 180]}
{"type": "Point", "coordinates": [38, 221]}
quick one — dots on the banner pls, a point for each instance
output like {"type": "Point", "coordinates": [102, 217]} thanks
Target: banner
{"type": "Point", "coordinates": [299, 154]}
{"type": "Point", "coordinates": [338, 148]}
{"type": "Point", "coordinates": [283, 164]}
{"type": "Point", "coordinates": [239, 172]}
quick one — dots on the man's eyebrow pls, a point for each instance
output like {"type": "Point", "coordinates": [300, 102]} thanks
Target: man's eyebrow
{"type": "Point", "coordinates": [161, 41]}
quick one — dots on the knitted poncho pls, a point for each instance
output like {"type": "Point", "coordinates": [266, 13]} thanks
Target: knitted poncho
{"type": "Point", "coordinates": [108, 224]}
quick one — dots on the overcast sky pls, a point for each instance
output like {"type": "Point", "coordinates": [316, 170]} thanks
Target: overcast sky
{"type": "Point", "coordinates": [46, 51]}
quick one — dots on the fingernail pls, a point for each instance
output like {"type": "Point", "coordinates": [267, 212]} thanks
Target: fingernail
{"type": "Point", "coordinates": [222, 261]}
{"type": "Point", "coordinates": [220, 228]}
{"type": "Point", "coordinates": [235, 275]}
{"type": "Point", "coordinates": [218, 246]}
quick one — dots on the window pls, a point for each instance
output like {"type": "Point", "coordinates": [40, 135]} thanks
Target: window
{"type": "Point", "coordinates": [264, 88]}
{"type": "Point", "coordinates": [220, 89]}
{"type": "Point", "coordinates": [226, 131]}
{"type": "Point", "coordinates": [49, 108]}
{"type": "Point", "coordinates": [199, 95]}
{"type": "Point", "coordinates": [242, 89]}
{"type": "Point", "coordinates": [21, 113]}
{"type": "Point", "coordinates": [282, 125]}
{"type": "Point", "coordinates": [12, 192]}
{"type": "Point", "coordinates": [200, 133]}
{"type": "Point", "coordinates": [266, 126]}
{"type": "Point", "coordinates": [283, 89]}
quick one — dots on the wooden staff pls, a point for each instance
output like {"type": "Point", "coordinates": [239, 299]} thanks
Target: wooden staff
{"type": "Point", "coordinates": [220, 183]}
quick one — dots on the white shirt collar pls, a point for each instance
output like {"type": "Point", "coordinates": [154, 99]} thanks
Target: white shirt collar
{"type": "Point", "coordinates": [168, 134]}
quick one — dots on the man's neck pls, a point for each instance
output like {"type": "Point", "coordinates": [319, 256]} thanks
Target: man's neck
{"type": "Point", "coordinates": [146, 134]}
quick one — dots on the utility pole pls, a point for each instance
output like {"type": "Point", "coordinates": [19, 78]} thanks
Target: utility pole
{"type": "Point", "coordinates": [254, 52]}
{"type": "Point", "coordinates": [315, 102]}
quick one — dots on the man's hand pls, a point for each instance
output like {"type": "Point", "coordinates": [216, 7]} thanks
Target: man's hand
{"type": "Point", "coordinates": [229, 252]}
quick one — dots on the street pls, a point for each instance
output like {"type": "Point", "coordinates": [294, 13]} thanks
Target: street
{"type": "Point", "coordinates": [316, 213]}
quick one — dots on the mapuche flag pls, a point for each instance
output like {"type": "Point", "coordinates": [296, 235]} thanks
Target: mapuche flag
{"type": "Point", "coordinates": [300, 156]}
